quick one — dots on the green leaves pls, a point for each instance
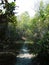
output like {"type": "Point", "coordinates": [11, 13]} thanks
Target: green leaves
{"type": "Point", "coordinates": [8, 22]}
{"type": "Point", "coordinates": [10, 7]}
{"type": "Point", "coordinates": [40, 30]}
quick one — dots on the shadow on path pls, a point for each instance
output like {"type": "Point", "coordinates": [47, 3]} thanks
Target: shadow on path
{"type": "Point", "coordinates": [23, 61]}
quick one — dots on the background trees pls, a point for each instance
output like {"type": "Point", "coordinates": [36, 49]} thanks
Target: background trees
{"type": "Point", "coordinates": [23, 28]}
{"type": "Point", "coordinates": [23, 24]}
{"type": "Point", "coordinates": [40, 30]}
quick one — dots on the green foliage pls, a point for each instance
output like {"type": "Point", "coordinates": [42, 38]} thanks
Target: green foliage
{"type": "Point", "coordinates": [34, 29]}
{"type": "Point", "coordinates": [40, 30]}
{"type": "Point", "coordinates": [24, 24]}
{"type": "Point", "coordinates": [8, 22]}
{"type": "Point", "coordinates": [9, 8]}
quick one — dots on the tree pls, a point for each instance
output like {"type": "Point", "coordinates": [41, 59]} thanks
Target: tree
{"type": "Point", "coordinates": [24, 24]}
{"type": "Point", "coordinates": [40, 34]}
{"type": "Point", "coordinates": [40, 31]}
{"type": "Point", "coordinates": [7, 17]}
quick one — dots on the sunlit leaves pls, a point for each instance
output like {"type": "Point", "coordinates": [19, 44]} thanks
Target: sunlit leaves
{"type": "Point", "coordinates": [40, 28]}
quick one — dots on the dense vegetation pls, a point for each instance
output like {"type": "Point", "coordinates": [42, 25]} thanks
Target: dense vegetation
{"type": "Point", "coordinates": [36, 33]}
{"type": "Point", "coordinates": [14, 31]}
{"type": "Point", "coordinates": [35, 30]}
{"type": "Point", "coordinates": [8, 24]}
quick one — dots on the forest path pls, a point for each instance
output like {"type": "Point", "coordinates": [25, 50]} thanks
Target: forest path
{"type": "Point", "coordinates": [24, 57]}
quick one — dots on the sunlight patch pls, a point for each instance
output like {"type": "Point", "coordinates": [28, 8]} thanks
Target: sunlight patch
{"type": "Point", "coordinates": [26, 55]}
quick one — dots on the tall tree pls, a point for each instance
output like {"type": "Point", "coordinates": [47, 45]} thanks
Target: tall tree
{"type": "Point", "coordinates": [7, 17]}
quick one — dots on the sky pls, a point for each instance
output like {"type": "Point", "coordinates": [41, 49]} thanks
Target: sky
{"type": "Point", "coordinates": [28, 5]}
